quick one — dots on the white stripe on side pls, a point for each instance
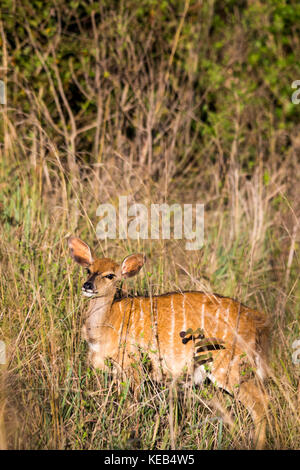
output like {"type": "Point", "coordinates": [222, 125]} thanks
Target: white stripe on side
{"type": "Point", "coordinates": [202, 317]}
{"type": "Point", "coordinates": [172, 331]}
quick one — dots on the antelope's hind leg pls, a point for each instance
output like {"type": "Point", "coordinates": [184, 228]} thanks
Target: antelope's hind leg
{"type": "Point", "coordinates": [252, 396]}
{"type": "Point", "coordinates": [226, 374]}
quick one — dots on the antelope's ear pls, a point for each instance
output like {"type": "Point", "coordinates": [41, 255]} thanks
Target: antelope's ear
{"type": "Point", "coordinates": [132, 264]}
{"type": "Point", "coordinates": [80, 252]}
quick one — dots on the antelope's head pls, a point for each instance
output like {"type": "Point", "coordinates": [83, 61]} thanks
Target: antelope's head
{"type": "Point", "coordinates": [103, 273]}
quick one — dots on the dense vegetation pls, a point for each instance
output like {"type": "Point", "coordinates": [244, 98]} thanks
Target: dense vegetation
{"type": "Point", "coordinates": [162, 101]}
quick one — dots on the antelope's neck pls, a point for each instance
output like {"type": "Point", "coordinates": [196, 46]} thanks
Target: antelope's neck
{"type": "Point", "coordinates": [97, 316]}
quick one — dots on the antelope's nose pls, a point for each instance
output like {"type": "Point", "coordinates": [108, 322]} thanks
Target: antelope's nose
{"type": "Point", "coordinates": [88, 285]}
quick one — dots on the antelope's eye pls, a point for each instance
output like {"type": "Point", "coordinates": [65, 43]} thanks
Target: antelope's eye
{"type": "Point", "coordinates": [88, 271]}
{"type": "Point", "coordinates": [110, 276]}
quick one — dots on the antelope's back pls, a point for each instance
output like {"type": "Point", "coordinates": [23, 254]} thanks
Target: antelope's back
{"type": "Point", "coordinates": [157, 323]}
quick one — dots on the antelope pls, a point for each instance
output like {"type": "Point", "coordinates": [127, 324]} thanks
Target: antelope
{"type": "Point", "coordinates": [175, 329]}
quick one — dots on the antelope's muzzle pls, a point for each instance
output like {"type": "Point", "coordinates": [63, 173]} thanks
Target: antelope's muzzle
{"type": "Point", "coordinates": [88, 289]}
